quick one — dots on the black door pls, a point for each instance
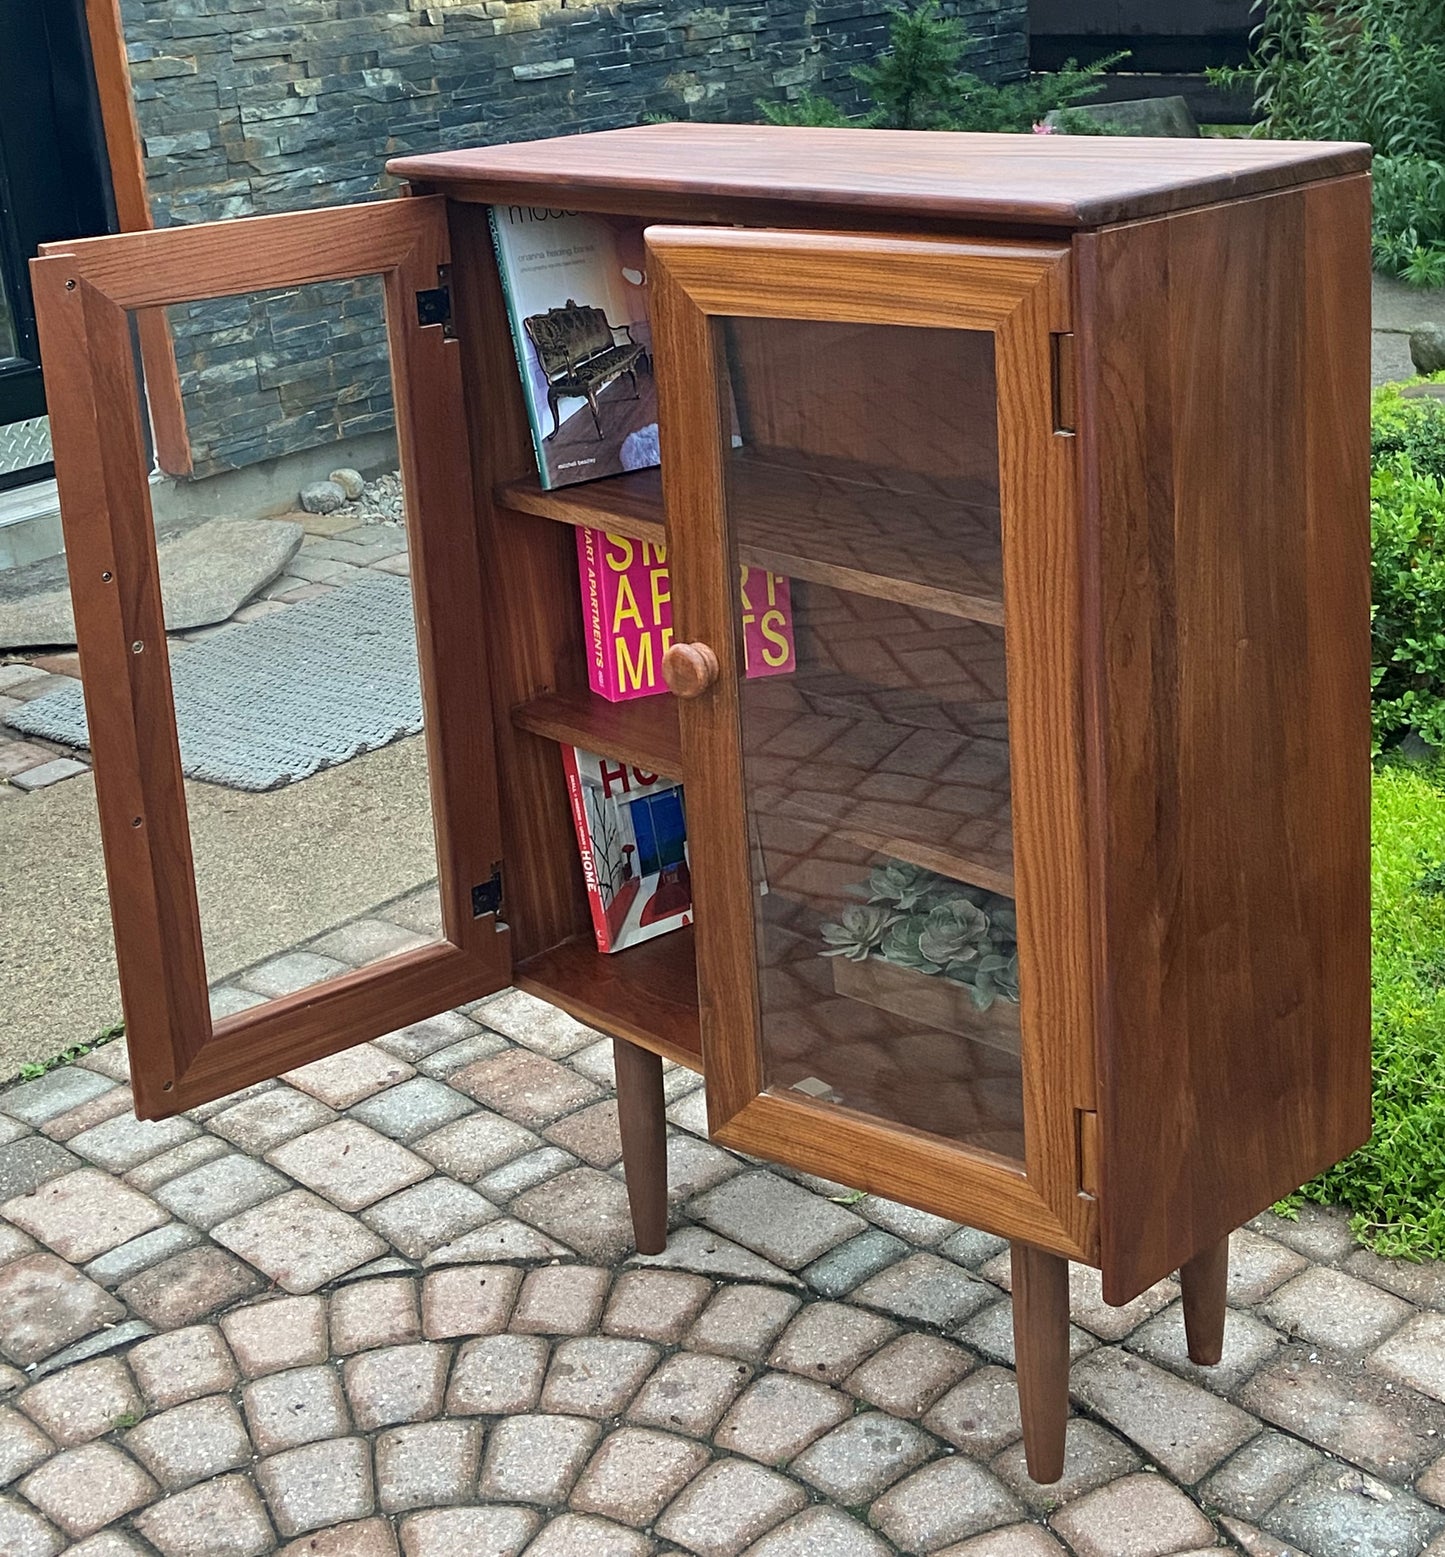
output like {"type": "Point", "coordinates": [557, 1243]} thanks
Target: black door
{"type": "Point", "coordinates": [54, 181]}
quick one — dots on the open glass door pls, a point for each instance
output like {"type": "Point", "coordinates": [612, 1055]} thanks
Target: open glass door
{"type": "Point", "coordinates": [87, 297]}
{"type": "Point", "coordinates": [883, 749]}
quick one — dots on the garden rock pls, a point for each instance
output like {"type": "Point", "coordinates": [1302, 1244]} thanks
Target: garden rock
{"type": "Point", "coordinates": [322, 497]}
{"type": "Point", "coordinates": [1168, 116]}
{"type": "Point", "coordinates": [1427, 347]}
{"type": "Point", "coordinates": [350, 481]}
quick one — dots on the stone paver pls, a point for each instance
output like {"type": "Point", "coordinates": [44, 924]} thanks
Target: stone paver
{"type": "Point", "coordinates": [442, 1345]}
{"type": "Point", "coordinates": [780, 1220]}
{"type": "Point", "coordinates": [596, 1376]}
{"type": "Point", "coordinates": [222, 1518]}
{"type": "Point", "coordinates": [1185, 1428]}
{"type": "Point", "coordinates": [689, 1393]}
{"type": "Point", "coordinates": [381, 1312]}
{"type": "Point", "coordinates": [427, 1465]}
{"type": "Point", "coordinates": [45, 1304]}
{"type": "Point", "coordinates": [84, 1402]}
{"type": "Point", "coordinates": [397, 1384]}
{"type": "Point", "coordinates": [83, 1214]}
{"type": "Point", "coordinates": [299, 1241]}
{"type": "Point", "coordinates": [498, 1376]}
{"type": "Point", "coordinates": [1138, 1516]}
{"type": "Point", "coordinates": [187, 1287]}
{"type": "Point", "coordinates": [190, 1443]}
{"type": "Point", "coordinates": [301, 1406]}
{"type": "Point", "coordinates": [350, 1165]}
{"type": "Point", "coordinates": [469, 1300]}
{"type": "Point", "coordinates": [636, 1473]}
{"type": "Point", "coordinates": [536, 1459]}
{"type": "Point", "coordinates": [863, 1457]}
{"type": "Point", "coordinates": [281, 1333]}
{"type": "Point", "coordinates": [464, 1532]}
{"type": "Point", "coordinates": [321, 1484]}
{"type": "Point", "coordinates": [655, 1305]}
{"type": "Point", "coordinates": [779, 1416]}
{"type": "Point", "coordinates": [1333, 1309]}
{"type": "Point", "coordinates": [83, 1489]}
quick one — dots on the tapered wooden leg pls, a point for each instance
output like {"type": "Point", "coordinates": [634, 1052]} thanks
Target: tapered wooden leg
{"type": "Point", "coordinates": [644, 1142]}
{"type": "Point", "coordinates": [1204, 1280]}
{"type": "Point", "coordinates": [1041, 1353]}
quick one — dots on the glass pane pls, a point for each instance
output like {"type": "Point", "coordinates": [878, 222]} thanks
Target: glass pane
{"type": "Point", "coordinates": [9, 340]}
{"type": "Point", "coordinates": [298, 695]}
{"type": "Point", "coordinates": [863, 499]}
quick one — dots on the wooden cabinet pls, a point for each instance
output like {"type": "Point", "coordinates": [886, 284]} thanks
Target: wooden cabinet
{"type": "Point", "coordinates": [1036, 894]}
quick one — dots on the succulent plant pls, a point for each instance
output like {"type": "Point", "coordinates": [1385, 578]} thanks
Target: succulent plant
{"type": "Point", "coordinates": [915, 918]}
{"type": "Point", "coordinates": [861, 928]}
{"type": "Point", "coordinates": [906, 887]}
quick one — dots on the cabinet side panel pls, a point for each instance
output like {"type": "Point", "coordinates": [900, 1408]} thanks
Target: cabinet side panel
{"type": "Point", "coordinates": [1225, 383]}
{"type": "Point", "coordinates": [534, 640]}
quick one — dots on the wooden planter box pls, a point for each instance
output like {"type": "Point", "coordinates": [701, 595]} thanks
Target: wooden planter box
{"type": "Point", "coordinates": [926, 997]}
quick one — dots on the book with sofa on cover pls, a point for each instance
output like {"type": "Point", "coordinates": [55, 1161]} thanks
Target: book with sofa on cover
{"type": "Point", "coordinates": [627, 616]}
{"type": "Point", "coordinates": [632, 836]}
{"type": "Point", "coordinates": [576, 291]}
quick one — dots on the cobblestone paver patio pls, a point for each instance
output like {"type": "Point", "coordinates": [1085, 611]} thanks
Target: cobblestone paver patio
{"type": "Point", "coordinates": [388, 1305]}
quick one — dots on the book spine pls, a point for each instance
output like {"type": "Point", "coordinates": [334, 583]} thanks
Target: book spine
{"type": "Point", "coordinates": [592, 582]}
{"type": "Point", "coordinates": [519, 346]}
{"type": "Point", "coordinates": [584, 848]}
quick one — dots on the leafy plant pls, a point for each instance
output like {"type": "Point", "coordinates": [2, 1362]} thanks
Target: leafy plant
{"type": "Point", "coordinates": [1395, 1184]}
{"type": "Point", "coordinates": [1409, 425]}
{"type": "Point", "coordinates": [32, 1071]}
{"type": "Point", "coordinates": [919, 83]}
{"type": "Point", "coordinates": [860, 931]}
{"type": "Point", "coordinates": [1407, 623]}
{"type": "Point", "coordinates": [1363, 70]}
{"type": "Point", "coordinates": [915, 918]}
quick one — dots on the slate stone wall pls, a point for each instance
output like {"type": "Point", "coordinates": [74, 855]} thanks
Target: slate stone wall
{"type": "Point", "coordinates": [252, 106]}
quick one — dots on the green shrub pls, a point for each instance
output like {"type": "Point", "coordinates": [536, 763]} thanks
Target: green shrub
{"type": "Point", "coordinates": [1395, 1185]}
{"type": "Point", "coordinates": [919, 83]}
{"type": "Point", "coordinates": [1409, 425]}
{"type": "Point", "coordinates": [1407, 675]}
{"type": "Point", "coordinates": [1364, 70]}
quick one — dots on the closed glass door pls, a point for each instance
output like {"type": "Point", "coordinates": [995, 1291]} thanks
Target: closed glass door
{"type": "Point", "coordinates": [875, 974]}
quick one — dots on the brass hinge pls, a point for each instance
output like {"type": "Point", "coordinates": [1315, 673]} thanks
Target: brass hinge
{"type": "Point", "coordinates": [1065, 415]}
{"type": "Point", "coordinates": [1088, 1152]}
{"type": "Point", "coordinates": [434, 305]}
{"type": "Point", "coordinates": [487, 895]}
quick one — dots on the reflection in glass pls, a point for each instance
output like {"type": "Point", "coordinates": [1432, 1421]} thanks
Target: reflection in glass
{"type": "Point", "coordinates": [877, 771]}
{"type": "Point", "coordinates": [9, 340]}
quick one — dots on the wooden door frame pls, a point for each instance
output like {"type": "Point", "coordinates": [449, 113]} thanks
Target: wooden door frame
{"type": "Point", "coordinates": [111, 65]}
{"type": "Point", "coordinates": [1021, 294]}
{"type": "Point", "coordinates": [85, 293]}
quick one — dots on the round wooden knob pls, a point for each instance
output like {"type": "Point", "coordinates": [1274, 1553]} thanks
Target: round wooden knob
{"type": "Point", "coordinates": [689, 669]}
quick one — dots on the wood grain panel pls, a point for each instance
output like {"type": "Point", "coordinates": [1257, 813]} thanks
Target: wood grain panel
{"type": "Point", "coordinates": [1226, 462]}
{"type": "Point", "coordinates": [249, 254]}
{"type": "Point", "coordinates": [689, 171]}
{"type": "Point", "coordinates": [177, 1059]}
{"type": "Point", "coordinates": [133, 211]}
{"type": "Point", "coordinates": [533, 615]}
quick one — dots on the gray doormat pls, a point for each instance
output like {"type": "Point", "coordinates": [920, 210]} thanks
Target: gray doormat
{"type": "Point", "coordinates": [278, 699]}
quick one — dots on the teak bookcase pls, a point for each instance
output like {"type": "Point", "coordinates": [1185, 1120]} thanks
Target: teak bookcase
{"type": "Point", "coordinates": [1063, 445]}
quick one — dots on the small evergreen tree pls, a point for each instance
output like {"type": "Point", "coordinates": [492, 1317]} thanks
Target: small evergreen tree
{"type": "Point", "coordinates": [919, 83]}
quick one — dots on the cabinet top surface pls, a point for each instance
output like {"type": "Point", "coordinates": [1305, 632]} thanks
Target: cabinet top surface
{"type": "Point", "coordinates": [1066, 181]}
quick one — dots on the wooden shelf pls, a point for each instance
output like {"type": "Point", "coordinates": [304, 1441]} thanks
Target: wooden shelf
{"type": "Point", "coordinates": [642, 732]}
{"type": "Point", "coordinates": [892, 535]}
{"type": "Point", "coordinates": [628, 505]}
{"type": "Point", "coordinates": [647, 994]}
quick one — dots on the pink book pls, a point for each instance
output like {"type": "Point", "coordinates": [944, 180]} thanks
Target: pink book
{"type": "Point", "coordinates": [627, 616]}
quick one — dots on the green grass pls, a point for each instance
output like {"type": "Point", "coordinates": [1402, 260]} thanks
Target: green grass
{"type": "Point", "coordinates": [1395, 1185]}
